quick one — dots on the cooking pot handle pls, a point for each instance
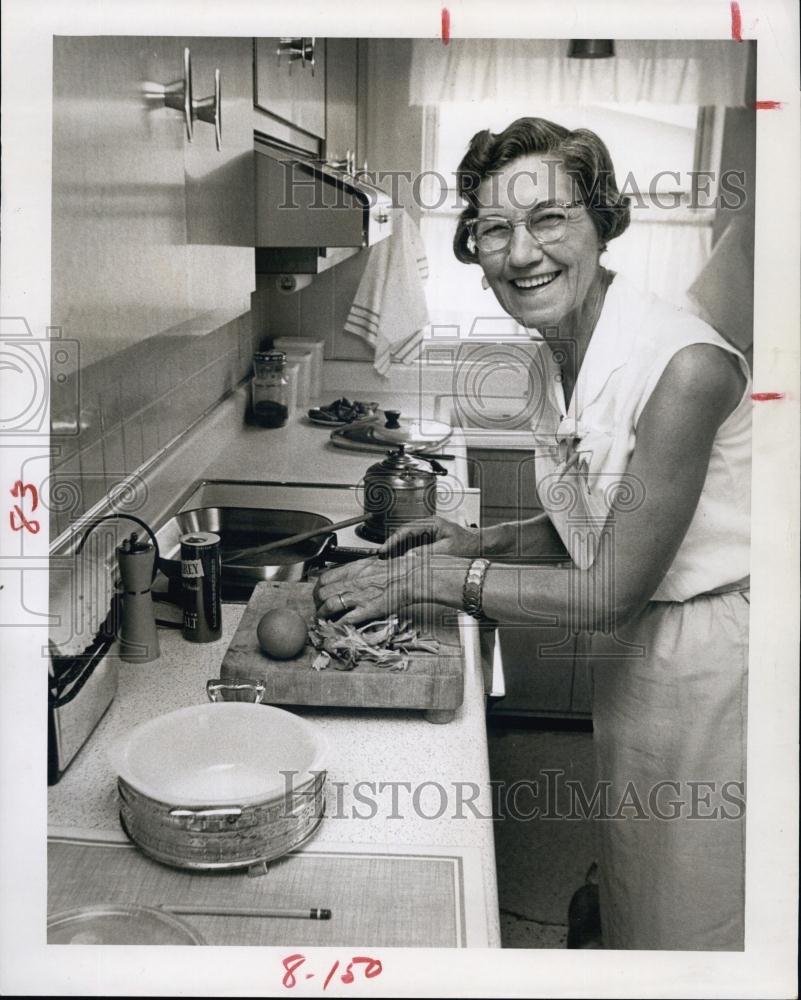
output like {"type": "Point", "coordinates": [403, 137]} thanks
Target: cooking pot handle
{"type": "Point", "coordinates": [440, 470]}
{"type": "Point", "coordinates": [215, 689]}
{"type": "Point", "coordinates": [221, 812]}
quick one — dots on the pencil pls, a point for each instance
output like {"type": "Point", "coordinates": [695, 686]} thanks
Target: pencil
{"type": "Point", "coordinates": [314, 913]}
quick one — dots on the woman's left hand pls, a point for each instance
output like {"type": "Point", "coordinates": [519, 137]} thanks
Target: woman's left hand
{"type": "Point", "coordinates": [369, 589]}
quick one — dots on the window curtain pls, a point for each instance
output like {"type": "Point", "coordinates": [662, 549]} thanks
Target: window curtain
{"type": "Point", "coordinates": [661, 72]}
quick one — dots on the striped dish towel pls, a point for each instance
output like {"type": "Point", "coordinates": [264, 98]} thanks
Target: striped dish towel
{"type": "Point", "coordinates": [389, 310]}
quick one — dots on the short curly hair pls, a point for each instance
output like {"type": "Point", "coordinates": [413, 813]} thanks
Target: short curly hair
{"type": "Point", "coordinates": [586, 160]}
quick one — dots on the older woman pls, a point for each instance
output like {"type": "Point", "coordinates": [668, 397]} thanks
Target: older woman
{"type": "Point", "coordinates": [642, 462]}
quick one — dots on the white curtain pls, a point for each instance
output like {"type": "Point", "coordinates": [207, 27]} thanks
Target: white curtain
{"type": "Point", "coordinates": [661, 72]}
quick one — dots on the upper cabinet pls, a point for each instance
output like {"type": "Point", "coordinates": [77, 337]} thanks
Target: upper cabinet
{"type": "Point", "coordinates": [119, 212]}
{"type": "Point", "coordinates": [218, 161]}
{"type": "Point", "coordinates": [290, 89]}
{"type": "Point", "coordinates": [342, 80]}
{"type": "Point", "coordinates": [219, 177]}
{"type": "Point", "coordinates": [145, 206]}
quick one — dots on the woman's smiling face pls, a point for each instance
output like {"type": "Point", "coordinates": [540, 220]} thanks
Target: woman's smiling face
{"type": "Point", "coordinates": [538, 285]}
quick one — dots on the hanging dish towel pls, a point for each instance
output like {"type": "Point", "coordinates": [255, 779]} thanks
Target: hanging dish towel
{"type": "Point", "coordinates": [389, 310]}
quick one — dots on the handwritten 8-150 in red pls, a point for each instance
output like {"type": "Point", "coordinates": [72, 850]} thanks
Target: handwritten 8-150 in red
{"type": "Point", "coordinates": [364, 965]}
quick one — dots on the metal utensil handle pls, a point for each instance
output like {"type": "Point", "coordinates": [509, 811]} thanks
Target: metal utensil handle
{"type": "Point", "coordinates": [349, 553]}
{"type": "Point", "coordinates": [215, 688]}
{"type": "Point", "coordinates": [303, 536]}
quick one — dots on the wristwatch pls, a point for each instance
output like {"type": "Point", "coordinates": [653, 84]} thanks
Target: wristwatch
{"type": "Point", "coordinates": [473, 588]}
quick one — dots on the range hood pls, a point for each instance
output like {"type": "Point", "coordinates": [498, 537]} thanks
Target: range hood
{"type": "Point", "coordinates": [309, 216]}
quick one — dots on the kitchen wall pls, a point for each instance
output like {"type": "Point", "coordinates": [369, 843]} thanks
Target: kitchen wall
{"type": "Point", "coordinates": [112, 417]}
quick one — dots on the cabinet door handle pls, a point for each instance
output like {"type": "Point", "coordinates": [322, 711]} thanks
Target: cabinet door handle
{"type": "Point", "coordinates": [178, 95]}
{"type": "Point", "coordinates": [307, 48]}
{"type": "Point", "coordinates": [298, 48]}
{"type": "Point", "coordinates": [209, 109]}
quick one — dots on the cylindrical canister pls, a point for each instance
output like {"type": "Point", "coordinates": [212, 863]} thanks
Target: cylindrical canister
{"type": "Point", "coordinates": [201, 571]}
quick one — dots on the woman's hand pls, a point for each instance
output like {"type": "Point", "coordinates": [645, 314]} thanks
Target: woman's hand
{"type": "Point", "coordinates": [441, 536]}
{"type": "Point", "coordinates": [369, 589]}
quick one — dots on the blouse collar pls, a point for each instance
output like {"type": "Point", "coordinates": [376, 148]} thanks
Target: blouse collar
{"type": "Point", "coordinates": [608, 350]}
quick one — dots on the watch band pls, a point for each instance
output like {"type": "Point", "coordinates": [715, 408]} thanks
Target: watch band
{"type": "Point", "coordinates": [473, 587]}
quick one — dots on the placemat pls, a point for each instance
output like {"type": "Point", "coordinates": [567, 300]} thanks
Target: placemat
{"type": "Point", "coordinates": [388, 899]}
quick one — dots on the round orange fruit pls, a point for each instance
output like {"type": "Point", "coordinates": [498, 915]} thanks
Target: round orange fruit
{"type": "Point", "coordinates": [282, 633]}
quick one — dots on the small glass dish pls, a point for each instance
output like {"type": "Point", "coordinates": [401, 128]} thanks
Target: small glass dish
{"type": "Point", "coordinates": [117, 924]}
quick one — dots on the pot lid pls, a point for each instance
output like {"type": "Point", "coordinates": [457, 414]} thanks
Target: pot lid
{"type": "Point", "coordinates": [405, 470]}
{"type": "Point", "coordinates": [391, 429]}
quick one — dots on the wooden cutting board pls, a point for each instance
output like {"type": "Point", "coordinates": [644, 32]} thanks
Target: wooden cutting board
{"type": "Point", "coordinates": [432, 681]}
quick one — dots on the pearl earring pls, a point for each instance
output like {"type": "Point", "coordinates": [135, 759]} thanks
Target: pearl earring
{"type": "Point", "coordinates": [484, 282]}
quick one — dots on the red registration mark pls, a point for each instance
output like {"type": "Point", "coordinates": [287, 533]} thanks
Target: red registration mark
{"type": "Point", "coordinates": [363, 964]}
{"type": "Point", "coordinates": [18, 518]}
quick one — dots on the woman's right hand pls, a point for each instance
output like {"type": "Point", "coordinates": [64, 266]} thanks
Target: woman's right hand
{"type": "Point", "coordinates": [444, 537]}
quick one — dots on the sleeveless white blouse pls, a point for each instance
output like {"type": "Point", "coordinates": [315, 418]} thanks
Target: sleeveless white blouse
{"type": "Point", "coordinates": [582, 451]}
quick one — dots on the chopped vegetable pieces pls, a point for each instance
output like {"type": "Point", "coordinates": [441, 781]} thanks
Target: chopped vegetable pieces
{"type": "Point", "coordinates": [343, 411]}
{"type": "Point", "coordinates": [386, 643]}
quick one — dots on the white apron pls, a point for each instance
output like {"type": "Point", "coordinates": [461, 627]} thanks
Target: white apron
{"type": "Point", "coordinates": [669, 689]}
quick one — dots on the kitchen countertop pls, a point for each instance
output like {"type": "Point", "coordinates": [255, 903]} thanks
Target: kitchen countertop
{"type": "Point", "coordinates": [428, 784]}
{"type": "Point", "coordinates": [302, 450]}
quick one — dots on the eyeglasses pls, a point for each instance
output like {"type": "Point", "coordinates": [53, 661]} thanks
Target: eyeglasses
{"type": "Point", "coordinates": [546, 224]}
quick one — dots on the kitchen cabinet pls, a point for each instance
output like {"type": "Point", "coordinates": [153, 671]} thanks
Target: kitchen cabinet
{"type": "Point", "coordinates": [220, 182]}
{"type": "Point", "coordinates": [542, 675]}
{"type": "Point", "coordinates": [119, 269]}
{"type": "Point", "coordinates": [341, 99]}
{"type": "Point", "coordinates": [140, 213]}
{"type": "Point", "coordinates": [290, 88]}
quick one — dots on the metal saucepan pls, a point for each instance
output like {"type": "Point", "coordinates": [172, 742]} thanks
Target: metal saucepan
{"type": "Point", "coordinates": [221, 786]}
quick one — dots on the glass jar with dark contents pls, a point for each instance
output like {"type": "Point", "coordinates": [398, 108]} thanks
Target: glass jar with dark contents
{"type": "Point", "coordinates": [269, 404]}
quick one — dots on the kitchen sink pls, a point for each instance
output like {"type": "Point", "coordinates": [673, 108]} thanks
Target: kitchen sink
{"type": "Point", "coordinates": [247, 515]}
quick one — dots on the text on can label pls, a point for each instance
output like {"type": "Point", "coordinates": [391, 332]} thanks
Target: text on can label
{"type": "Point", "coordinates": [192, 568]}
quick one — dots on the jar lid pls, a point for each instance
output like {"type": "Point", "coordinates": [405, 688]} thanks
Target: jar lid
{"type": "Point", "coordinates": [270, 357]}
